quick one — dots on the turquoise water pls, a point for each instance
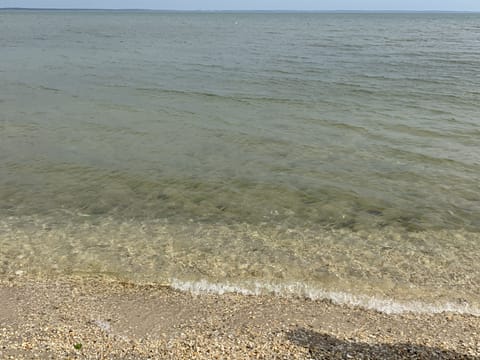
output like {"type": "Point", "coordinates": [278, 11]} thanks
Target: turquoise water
{"type": "Point", "coordinates": [296, 153]}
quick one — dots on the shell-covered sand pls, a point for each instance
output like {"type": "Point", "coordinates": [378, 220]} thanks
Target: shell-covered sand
{"type": "Point", "coordinates": [80, 318]}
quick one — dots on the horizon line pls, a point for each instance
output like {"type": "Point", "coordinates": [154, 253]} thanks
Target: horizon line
{"type": "Point", "coordinates": [242, 11]}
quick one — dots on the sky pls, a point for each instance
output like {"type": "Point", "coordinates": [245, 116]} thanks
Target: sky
{"type": "Point", "coordinates": [444, 5]}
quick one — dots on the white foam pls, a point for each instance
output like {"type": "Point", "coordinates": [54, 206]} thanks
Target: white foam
{"type": "Point", "coordinates": [387, 306]}
{"type": "Point", "coordinates": [104, 325]}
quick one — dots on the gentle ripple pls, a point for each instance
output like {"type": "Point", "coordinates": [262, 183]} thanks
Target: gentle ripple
{"type": "Point", "coordinates": [337, 152]}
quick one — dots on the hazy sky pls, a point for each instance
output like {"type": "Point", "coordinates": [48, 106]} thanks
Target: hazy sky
{"type": "Point", "coordinates": [460, 5]}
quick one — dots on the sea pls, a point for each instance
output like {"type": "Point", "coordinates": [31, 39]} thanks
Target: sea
{"type": "Point", "coordinates": [329, 156]}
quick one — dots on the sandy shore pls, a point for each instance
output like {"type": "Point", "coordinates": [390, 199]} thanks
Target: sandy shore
{"type": "Point", "coordinates": [100, 319]}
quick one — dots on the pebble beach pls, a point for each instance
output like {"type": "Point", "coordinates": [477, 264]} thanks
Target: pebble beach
{"type": "Point", "coordinates": [97, 318]}
{"type": "Point", "coordinates": [239, 184]}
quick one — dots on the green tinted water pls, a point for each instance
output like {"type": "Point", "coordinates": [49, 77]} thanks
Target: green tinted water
{"type": "Point", "coordinates": [335, 152]}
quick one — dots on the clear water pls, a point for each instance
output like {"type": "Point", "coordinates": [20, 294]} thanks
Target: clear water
{"type": "Point", "coordinates": [294, 153]}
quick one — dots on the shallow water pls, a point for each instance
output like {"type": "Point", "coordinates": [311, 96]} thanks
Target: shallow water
{"type": "Point", "coordinates": [296, 153]}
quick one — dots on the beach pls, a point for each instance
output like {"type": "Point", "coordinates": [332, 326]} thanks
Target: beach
{"type": "Point", "coordinates": [99, 318]}
{"type": "Point", "coordinates": [272, 185]}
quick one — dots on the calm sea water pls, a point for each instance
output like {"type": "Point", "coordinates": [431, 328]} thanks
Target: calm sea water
{"type": "Point", "coordinates": [322, 155]}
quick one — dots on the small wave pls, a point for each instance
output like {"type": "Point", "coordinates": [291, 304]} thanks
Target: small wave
{"type": "Point", "coordinates": [387, 306]}
{"type": "Point", "coordinates": [242, 98]}
{"type": "Point", "coordinates": [49, 89]}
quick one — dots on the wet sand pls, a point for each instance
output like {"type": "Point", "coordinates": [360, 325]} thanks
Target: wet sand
{"type": "Point", "coordinates": [96, 318]}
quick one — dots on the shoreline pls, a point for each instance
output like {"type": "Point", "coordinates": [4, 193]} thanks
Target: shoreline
{"type": "Point", "coordinates": [303, 291]}
{"type": "Point", "coordinates": [77, 317]}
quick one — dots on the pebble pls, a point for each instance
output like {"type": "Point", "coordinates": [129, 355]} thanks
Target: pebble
{"type": "Point", "coordinates": [49, 322]}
